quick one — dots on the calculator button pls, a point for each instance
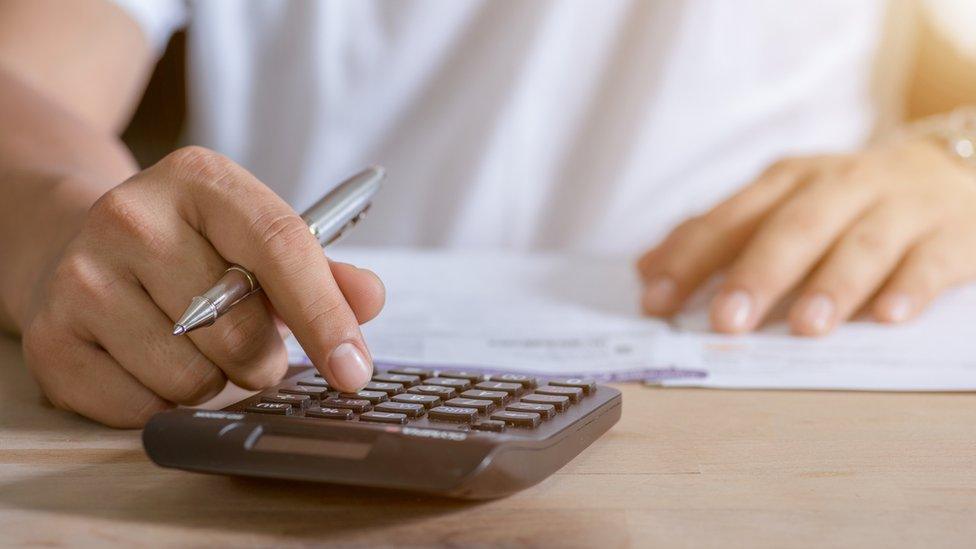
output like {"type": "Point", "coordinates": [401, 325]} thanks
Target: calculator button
{"type": "Point", "coordinates": [355, 404]}
{"type": "Point", "coordinates": [383, 417]}
{"type": "Point", "coordinates": [275, 408]}
{"type": "Point", "coordinates": [388, 388]}
{"type": "Point", "coordinates": [434, 390]}
{"type": "Point", "coordinates": [490, 425]}
{"type": "Point", "coordinates": [314, 392]}
{"type": "Point", "coordinates": [459, 384]}
{"type": "Point", "coordinates": [409, 410]}
{"type": "Point", "coordinates": [411, 371]}
{"type": "Point", "coordinates": [481, 406]}
{"type": "Point", "coordinates": [510, 388]}
{"type": "Point", "coordinates": [473, 377]}
{"type": "Point", "coordinates": [573, 393]}
{"type": "Point", "coordinates": [518, 419]}
{"type": "Point", "coordinates": [497, 397]}
{"type": "Point", "coordinates": [546, 411]}
{"type": "Point", "coordinates": [374, 397]}
{"type": "Point", "coordinates": [523, 380]}
{"type": "Point", "coordinates": [298, 401]}
{"type": "Point", "coordinates": [408, 381]}
{"type": "Point", "coordinates": [560, 402]}
{"type": "Point", "coordinates": [456, 414]}
{"type": "Point", "coordinates": [329, 413]}
{"type": "Point", "coordinates": [588, 385]}
{"type": "Point", "coordinates": [427, 401]}
{"type": "Point", "coordinates": [314, 382]}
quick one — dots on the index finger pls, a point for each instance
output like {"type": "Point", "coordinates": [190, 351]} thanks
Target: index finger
{"type": "Point", "coordinates": [250, 225]}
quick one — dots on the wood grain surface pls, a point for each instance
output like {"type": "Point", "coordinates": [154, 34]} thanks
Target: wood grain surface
{"type": "Point", "coordinates": [683, 468]}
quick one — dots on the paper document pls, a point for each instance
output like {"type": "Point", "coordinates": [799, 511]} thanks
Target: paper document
{"type": "Point", "coordinates": [572, 315]}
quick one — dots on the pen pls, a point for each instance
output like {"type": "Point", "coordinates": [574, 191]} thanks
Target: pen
{"type": "Point", "coordinates": [328, 219]}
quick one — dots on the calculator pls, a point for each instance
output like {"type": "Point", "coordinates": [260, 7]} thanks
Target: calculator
{"type": "Point", "coordinates": [460, 434]}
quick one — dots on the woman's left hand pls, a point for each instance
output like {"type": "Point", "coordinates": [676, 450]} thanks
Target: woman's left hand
{"type": "Point", "coordinates": [893, 225]}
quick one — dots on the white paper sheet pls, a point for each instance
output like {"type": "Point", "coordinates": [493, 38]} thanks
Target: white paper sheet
{"type": "Point", "coordinates": [554, 314]}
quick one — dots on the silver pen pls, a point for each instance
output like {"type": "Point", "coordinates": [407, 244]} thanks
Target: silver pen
{"type": "Point", "coordinates": [328, 219]}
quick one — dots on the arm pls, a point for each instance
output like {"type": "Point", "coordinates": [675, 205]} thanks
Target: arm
{"type": "Point", "coordinates": [885, 229]}
{"type": "Point", "coordinates": [50, 134]}
{"type": "Point", "coordinates": [99, 258]}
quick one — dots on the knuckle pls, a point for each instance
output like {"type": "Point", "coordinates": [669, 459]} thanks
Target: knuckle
{"type": "Point", "coordinates": [34, 343]}
{"type": "Point", "coordinates": [199, 163]}
{"type": "Point", "coordinates": [245, 346]}
{"type": "Point", "coordinates": [240, 340]}
{"type": "Point", "coordinates": [697, 228]}
{"type": "Point", "coordinates": [322, 307]}
{"type": "Point", "coordinates": [120, 212]}
{"type": "Point", "coordinates": [265, 370]}
{"type": "Point", "coordinates": [79, 276]}
{"type": "Point", "coordinates": [843, 288]}
{"type": "Point", "coordinates": [795, 220]}
{"type": "Point", "coordinates": [870, 241]}
{"type": "Point", "coordinates": [195, 381]}
{"type": "Point", "coordinates": [932, 262]}
{"type": "Point", "coordinates": [282, 235]}
{"type": "Point", "coordinates": [47, 347]}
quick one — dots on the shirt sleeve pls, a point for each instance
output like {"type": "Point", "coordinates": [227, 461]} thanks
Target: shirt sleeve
{"type": "Point", "coordinates": [159, 19]}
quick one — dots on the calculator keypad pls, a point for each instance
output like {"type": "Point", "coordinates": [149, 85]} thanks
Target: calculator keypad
{"type": "Point", "coordinates": [427, 401]}
{"type": "Point", "coordinates": [383, 417]}
{"type": "Point", "coordinates": [464, 400]}
{"type": "Point", "coordinates": [373, 397]}
{"type": "Point", "coordinates": [298, 401]}
{"type": "Point", "coordinates": [329, 413]}
{"type": "Point", "coordinates": [482, 406]}
{"type": "Point", "coordinates": [457, 384]}
{"type": "Point", "coordinates": [409, 410]}
{"type": "Point", "coordinates": [454, 414]}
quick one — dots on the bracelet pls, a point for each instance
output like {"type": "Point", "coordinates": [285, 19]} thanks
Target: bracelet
{"type": "Point", "coordinates": [955, 131]}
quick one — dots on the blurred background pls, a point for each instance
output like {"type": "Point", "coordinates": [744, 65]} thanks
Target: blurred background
{"type": "Point", "coordinates": [939, 64]}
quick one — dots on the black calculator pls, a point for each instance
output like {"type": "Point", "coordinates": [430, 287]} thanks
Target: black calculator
{"type": "Point", "coordinates": [461, 434]}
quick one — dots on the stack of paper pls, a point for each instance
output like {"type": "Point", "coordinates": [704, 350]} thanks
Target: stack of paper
{"type": "Point", "coordinates": [562, 315]}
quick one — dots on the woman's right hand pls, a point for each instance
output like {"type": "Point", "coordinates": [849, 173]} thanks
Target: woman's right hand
{"type": "Point", "coordinates": [97, 325]}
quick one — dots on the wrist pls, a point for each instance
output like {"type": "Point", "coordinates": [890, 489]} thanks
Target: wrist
{"type": "Point", "coordinates": [39, 216]}
{"type": "Point", "coordinates": [953, 132]}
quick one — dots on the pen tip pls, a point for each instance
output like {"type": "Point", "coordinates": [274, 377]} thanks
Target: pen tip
{"type": "Point", "coordinates": [179, 330]}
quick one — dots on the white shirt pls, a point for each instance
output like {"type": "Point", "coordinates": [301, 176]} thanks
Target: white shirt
{"type": "Point", "coordinates": [572, 124]}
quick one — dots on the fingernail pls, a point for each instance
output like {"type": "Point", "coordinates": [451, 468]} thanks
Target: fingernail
{"type": "Point", "coordinates": [732, 311]}
{"type": "Point", "coordinates": [816, 314]}
{"type": "Point", "coordinates": [349, 367]}
{"type": "Point", "coordinates": [896, 307]}
{"type": "Point", "coordinates": [659, 295]}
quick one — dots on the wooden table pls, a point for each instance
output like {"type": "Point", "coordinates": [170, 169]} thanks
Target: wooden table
{"type": "Point", "coordinates": [683, 468]}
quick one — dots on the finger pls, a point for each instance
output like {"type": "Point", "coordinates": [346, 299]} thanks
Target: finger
{"type": "Point", "coordinates": [705, 244]}
{"type": "Point", "coordinates": [129, 325]}
{"type": "Point", "coordinates": [103, 391]}
{"type": "Point", "coordinates": [86, 380]}
{"type": "Point", "coordinates": [784, 249]}
{"type": "Point", "coordinates": [244, 343]}
{"type": "Point", "coordinates": [858, 264]}
{"type": "Point", "coordinates": [932, 265]}
{"type": "Point", "coordinates": [363, 290]}
{"type": "Point", "coordinates": [250, 225]}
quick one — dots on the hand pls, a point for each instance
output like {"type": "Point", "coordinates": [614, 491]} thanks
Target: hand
{"type": "Point", "coordinates": [98, 333]}
{"type": "Point", "coordinates": [893, 225]}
